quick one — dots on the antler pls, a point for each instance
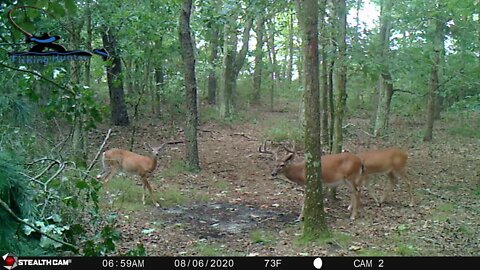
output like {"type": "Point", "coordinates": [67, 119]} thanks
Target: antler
{"type": "Point", "coordinates": [264, 149]}
{"type": "Point", "coordinates": [288, 150]}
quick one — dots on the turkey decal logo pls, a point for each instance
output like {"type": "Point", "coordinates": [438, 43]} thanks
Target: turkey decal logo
{"type": "Point", "coordinates": [9, 261]}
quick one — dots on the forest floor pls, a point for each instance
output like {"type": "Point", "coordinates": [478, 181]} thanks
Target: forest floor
{"type": "Point", "coordinates": [233, 207]}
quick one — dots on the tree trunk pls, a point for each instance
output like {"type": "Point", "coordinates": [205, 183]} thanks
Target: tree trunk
{"type": "Point", "coordinates": [385, 85]}
{"type": "Point", "coordinates": [226, 101]}
{"type": "Point", "coordinates": [324, 76]}
{"type": "Point", "coordinates": [290, 48]}
{"type": "Point", "coordinates": [257, 73]}
{"type": "Point", "coordinates": [438, 46]}
{"type": "Point", "coordinates": [340, 73]}
{"type": "Point", "coordinates": [273, 61]}
{"type": "Point", "coordinates": [159, 85]}
{"type": "Point", "coordinates": [118, 108]}
{"type": "Point", "coordinates": [232, 64]}
{"type": "Point", "coordinates": [331, 102]}
{"type": "Point", "coordinates": [188, 57]}
{"type": "Point", "coordinates": [314, 224]}
{"type": "Point", "coordinates": [212, 77]}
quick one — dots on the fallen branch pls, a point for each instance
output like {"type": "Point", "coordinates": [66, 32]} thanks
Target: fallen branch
{"type": "Point", "coordinates": [98, 154]}
{"type": "Point", "coordinates": [350, 124]}
{"type": "Point", "coordinates": [244, 135]}
{"type": "Point", "coordinates": [7, 208]}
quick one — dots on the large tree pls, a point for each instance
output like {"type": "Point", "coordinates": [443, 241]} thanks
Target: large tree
{"type": "Point", "coordinates": [314, 215]}
{"type": "Point", "coordinates": [118, 107]}
{"type": "Point", "coordinates": [185, 36]}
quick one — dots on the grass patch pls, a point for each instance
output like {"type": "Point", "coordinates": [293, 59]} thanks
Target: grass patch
{"type": "Point", "coordinates": [342, 240]}
{"type": "Point", "coordinates": [476, 192]}
{"type": "Point", "coordinates": [262, 237]}
{"type": "Point", "coordinates": [463, 124]}
{"type": "Point", "coordinates": [285, 130]}
{"type": "Point", "coordinates": [221, 184]}
{"type": "Point", "coordinates": [372, 252]}
{"type": "Point", "coordinates": [174, 169]}
{"type": "Point", "coordinates": [126, 193]}
{"type": "Point", "coordinates": [204, 249]}
{"type": "Point", "coordinates": [446, 207]}
{"type": "Point", "coordinates": [406, 250]}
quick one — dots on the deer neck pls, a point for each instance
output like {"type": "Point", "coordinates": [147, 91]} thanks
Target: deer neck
{"type": "Point", "coordinates": [154, 160]}
{"type": "Point", "coordinates": [295, 173]}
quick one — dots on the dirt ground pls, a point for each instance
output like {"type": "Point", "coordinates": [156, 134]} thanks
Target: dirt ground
{"type": "Point", "coordinates": [234, 207]}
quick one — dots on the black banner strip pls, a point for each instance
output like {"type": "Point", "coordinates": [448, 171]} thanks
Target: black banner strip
{"type": "Point", "coordinates": [251, 263]}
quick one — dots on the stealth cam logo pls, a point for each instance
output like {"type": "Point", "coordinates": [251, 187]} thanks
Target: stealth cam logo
{"type": "Point", "coordinates": [9, 261]}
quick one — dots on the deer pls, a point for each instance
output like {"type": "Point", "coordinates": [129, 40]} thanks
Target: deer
{"type": "Point", "coordinates": [391, 161]}
{"type": "Point", "coordinates": [337, 169]}
{"type": "Point", "coordinates": [115, 160]}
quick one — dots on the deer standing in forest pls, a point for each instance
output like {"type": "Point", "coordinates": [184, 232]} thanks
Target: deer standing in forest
{"type": "Point", "coordinates": [115, 160]}
{"type": "Point", "coordinates": [338, 169]}
{"type": "Point", "coordinates": [392, 161]}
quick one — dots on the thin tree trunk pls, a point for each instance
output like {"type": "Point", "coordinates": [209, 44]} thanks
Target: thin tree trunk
{"type": "Point", "coordinates": [385, 85]}
{"type": "Point", "coordinates": [79, 135]}
{"type": "Point", "coordinates": [273, 61]}
{"type": "Point", "coordinates": [119, 115]}
{"type": "Point", "coordinates": [212, 77]}
{"type": "Point", "coordinates": [257, 73]}
{"type": "Point", "coordinates": [290, 48]}
{"type": "Point", "coordinates": [324, 76]}
{"type": "Point", "coordinates": [226, 102]}
{"type": "Point", "coordinates": [188, 57]}
{"type": "Point", "coordinates": [438, 46]}
{"type": "Point", "coordinates": [331, 103]}
{"type": "Point", "coordinates": [340, 74]}
{"type": "Point", "coordinates": [314, 224]}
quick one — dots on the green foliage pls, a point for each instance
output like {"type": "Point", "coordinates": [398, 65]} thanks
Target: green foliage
{"type": "Point", "coordinates": [285, 130]}
{"type": "Point", "coordinates": [205, 249]}
{"type": "Point", "coordinates": [262, 237]}
{"type": "Point", "coordinates": [15, 192]}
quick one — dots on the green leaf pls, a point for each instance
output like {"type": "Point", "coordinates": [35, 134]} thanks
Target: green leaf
{"type": "Point", "coordinates": [56, 9]}
{"type": "Point", "coordinates": [71, 7]}
{"type": "Point", "coordinates": [81, 184]}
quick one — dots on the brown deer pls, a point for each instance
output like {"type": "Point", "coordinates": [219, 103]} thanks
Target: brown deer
{"type": "Point", "coordinates": [338, 169]}
{"type": "Point", "coordinates": [392, 161]}
{"type": "Point", "coordinates": [115, 160]}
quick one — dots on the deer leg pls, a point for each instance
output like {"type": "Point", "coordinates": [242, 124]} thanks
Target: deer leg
{"type": "Point", "coordinates": [108, 176]}
{"type": "Point", "coordinates": [355, 189]}
{"type": "Point", "coordinates": [146, 185]}
{"type": "Point", "coordinates": [403, 173]}
{"type": "Point", "coordinates": [300, 217]}
{"type": "Point", "coordinates": [389, 187]}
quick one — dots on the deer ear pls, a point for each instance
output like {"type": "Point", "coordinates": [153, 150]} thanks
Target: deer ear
{"type": "Point", "coordinates": [290, 157]}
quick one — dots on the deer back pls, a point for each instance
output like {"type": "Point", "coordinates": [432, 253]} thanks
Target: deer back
{"type": "Point", "coordinates": [338, 167]}
{"type": "Point", "coordinates": [130, 162]}
{"type": "Point", "coordinates": [377, 161]}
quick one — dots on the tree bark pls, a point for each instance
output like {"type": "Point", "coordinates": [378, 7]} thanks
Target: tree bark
{"type": "Point", "coordinates": [257, 73]}
{"type": "Point", "coordinates": [232, 64]}
{"type": "Point", "coordinates": [314, 224]}
{"type": "Point", "coordinates": [226, 103]}
{"type": "Point", "coordinates": [273, 61]}
{"type": "Point", "coordinates": [340, 73]}
{"type": "Point", "coordinates": [212, 76]}
{"type": "Point", "coordinates": [438, 46]}
{"type": "Point", "coordinates": [385, 85]}
{"type": "Point", "coordinates": [324, 76]}
{"type": "Point", "coordinates": [289, 71]}
{"type": "Point", "coordinates": [118, 108]}
{"type": "Point", "coordinates": [188, 57]}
